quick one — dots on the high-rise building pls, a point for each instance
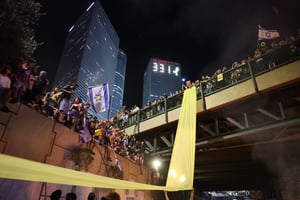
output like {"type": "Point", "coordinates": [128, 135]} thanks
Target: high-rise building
{"type": "Point", "coordinates": [118, 87]}
{"type": "Point", "coordinates": [91, 55]}
{"type": "Point", "coordinates": [161, 78]}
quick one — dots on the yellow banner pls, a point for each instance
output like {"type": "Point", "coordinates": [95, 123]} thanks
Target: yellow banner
{"type": "Point", "coordinates": [181, 170]}
{"type": "Point", "coordinates": [220, 77]}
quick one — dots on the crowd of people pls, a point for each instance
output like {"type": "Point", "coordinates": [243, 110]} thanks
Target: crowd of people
{"type": "Point", "coordinates": [25, 82]}
{"type": "Point", "coordinates": [265, 57]}
{"type": "Point", "coordinates": [235, 72]}
{"type": "Point", "coordinates": [57, 195]}
{"type": "Point", "coordinates": [22, 81]}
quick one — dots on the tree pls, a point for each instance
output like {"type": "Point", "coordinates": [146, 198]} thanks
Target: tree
{"type": "Point", "coordinates": [17, 36]}
{"type": "Point", "coordinates": [82, 158]}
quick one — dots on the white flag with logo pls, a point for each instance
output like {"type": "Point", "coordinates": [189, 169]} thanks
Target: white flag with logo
{"type": "Point", "coordinates": [99, 97]}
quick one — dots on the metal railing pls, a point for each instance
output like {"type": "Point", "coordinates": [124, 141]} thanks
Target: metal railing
{"type": "Point", "coordinates": [250, 69]}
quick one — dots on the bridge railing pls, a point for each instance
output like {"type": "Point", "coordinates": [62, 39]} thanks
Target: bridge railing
{"type": "Point", "coordinates": [274, 58]}
{"type": "Point", "coordinates": [226, 79]}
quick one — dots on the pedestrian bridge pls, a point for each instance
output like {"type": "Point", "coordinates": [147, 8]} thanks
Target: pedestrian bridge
{"type": "Point", "coordinates": [248, 127]}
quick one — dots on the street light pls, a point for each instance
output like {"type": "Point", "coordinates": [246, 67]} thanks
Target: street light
{"type": "Point", "coordinates": [156, 163]}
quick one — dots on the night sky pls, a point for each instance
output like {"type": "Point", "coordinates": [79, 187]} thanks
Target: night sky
{"type": "Point", "coordinates": [202, 35]}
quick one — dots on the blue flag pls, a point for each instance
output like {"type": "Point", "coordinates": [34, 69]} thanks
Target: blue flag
{"type": "Point", "coordinates": [99, 97]}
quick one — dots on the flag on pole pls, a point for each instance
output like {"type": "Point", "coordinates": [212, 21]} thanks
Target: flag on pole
{"type": "Point", "coordinates": [264, 34]}
{"type": "Point", "coordinates": [99, 97]}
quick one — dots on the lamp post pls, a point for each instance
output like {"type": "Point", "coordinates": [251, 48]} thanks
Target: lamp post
{"type": "Point", "coordinates": [156, 163]}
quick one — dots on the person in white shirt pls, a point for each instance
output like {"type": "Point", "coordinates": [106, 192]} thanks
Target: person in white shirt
{"type": "Point", "coordinates": [5, 83]}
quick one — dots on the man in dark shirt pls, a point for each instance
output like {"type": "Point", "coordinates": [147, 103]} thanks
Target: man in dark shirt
{"type": "Point", "coordinates": [66, 96]}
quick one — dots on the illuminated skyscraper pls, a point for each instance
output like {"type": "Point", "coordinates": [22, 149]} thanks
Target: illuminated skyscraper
{"type": "Point", "coordinates": [161, 78]}
{"type": "Point", "coordinates": [118, 87]}
{"type": "Point", "coordinates": [91, 56]}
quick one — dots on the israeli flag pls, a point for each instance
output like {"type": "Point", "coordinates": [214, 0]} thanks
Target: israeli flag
{"type": "Point", "coordinates": [99, 97]}
{"type": "Point", "coordinates": [267, 34]}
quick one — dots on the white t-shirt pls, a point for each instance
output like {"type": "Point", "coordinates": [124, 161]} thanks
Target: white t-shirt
{"type": "Point", "coordinates": [4, 81]}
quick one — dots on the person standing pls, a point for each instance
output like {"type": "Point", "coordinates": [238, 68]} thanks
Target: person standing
{"type": "Point", "coordinates": [71, 196]}
{"type": "Point", "coordinates": [66, 96]}
{"type": "Point", "coordinates": [56, 195]}
{"type": "Point", "coordinates": [92, 196]}
{"type": "Point", "coordinates": [112, 196]}
{"type": "Point", "coordinates": [5, 83]}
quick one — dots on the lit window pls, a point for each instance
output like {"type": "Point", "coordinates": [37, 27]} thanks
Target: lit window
{"type": "Point", "coordinates": [90, 6]}
{"type": "Point", "coordinates": [71, 28]}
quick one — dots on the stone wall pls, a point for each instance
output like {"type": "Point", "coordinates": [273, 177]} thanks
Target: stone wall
{"type": "Point", "coordinates": [28, 134]}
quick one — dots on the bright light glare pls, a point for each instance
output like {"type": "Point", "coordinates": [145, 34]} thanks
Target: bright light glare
{"type": "Point", "coordinates": [156, 164]}
{"type": "Point", "coordinates": [172, 173]}
{"type": "Point", "coordinates": [182, 178]}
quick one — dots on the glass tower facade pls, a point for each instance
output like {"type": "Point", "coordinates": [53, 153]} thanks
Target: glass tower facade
{"type": "Point", "coordinates": [90, 56]}
{"type": "Point", "coordinates": [161, 78]}
{"type": "Point", "coordinates": [118, 87]}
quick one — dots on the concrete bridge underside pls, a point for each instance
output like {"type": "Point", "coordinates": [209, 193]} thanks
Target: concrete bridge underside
{"type": "Point", "coordinates": [251, 143]}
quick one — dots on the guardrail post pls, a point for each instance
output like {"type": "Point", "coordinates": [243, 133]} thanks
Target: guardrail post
{"type": "Point", "coordinates": [166, 110]}
{"type": "Point", "coordinates": [138, 121]}
{"type": "Point", "coordinates": [252, 77]}
{"type": "Point", "coordinates": [202, 96]}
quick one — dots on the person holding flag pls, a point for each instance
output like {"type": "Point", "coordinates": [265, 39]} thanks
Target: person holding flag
{"type": "Point", "coordinates": [267, 34]}
{"type": "Point", "coordinates": [264, 36]}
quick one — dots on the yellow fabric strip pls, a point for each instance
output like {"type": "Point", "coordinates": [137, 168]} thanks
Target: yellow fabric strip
{"type": "Point", "coordinates": [182, 161]}
{"type": "Point", "coordinates": [181, 169]}
{"type": "Point", "coordinates": [22, 169]}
